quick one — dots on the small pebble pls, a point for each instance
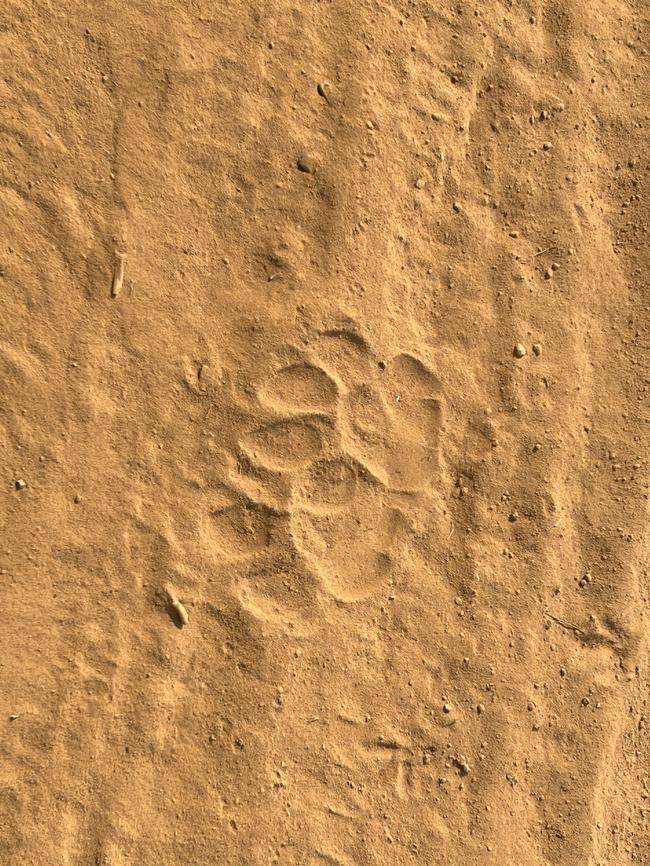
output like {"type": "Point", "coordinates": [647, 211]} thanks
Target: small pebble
{"type": "Point", "coordinates": [555, 266]}
{"type": "Point", "coordinates": [457, 207]}
{"type": "Point", "coordinates": [585, 702]}
{"type": "Point", "coordinates": [548, 274]}
{"type": "Point", "coordinates": [20, 484]}
{"type": "Point", "coordinates": [547, 145]}
{"type": "Point", "coordinates": [180, 612]}
{"type": "Point", "coordinates": [513, 517]}
{"type": "Point", "coordinates": [420, 183]}
{"type": "Point", "coordinates": [536, 447]}
{"type": "Point", "coordinates": [519, 350]}
{"type": "Point", "coordinates": [514, 234]}
{"type": "Point", "coordinates": [480, 709]}
{"type": "Point", "coordinates": [305, 164]}
{"type": "Point", "coordinates": [537, 349]}
{"type": "Point", "coordinates": [586, 579]}
{"type": "Point", "coordinates": [446, 708]}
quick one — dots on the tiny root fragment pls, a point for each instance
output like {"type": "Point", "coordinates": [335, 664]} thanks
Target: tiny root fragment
{"type": "Point", "coordinates": [118, 275]}
{"type": "Point", "coordinates": [178, 611]}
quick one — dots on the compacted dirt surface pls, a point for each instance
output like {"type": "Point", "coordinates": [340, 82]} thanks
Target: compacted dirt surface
{"type": "Point", "coordinates": [324, 357]}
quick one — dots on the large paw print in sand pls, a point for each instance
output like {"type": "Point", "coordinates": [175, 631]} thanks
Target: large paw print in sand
{"type": "Point", "coordinates": [354, 436]}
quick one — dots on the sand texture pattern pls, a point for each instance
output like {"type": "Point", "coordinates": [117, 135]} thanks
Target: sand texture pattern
{"type": "Point", "coordinates": [324, 354]}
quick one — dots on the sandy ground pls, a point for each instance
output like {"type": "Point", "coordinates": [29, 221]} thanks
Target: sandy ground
{"type": "Point", "coordinates": [268, 271]}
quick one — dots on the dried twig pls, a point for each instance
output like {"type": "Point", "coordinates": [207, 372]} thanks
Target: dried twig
{"type": "Point", "coordinates": [568, 626]}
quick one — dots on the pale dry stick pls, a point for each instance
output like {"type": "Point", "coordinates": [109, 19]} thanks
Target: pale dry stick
{"type": "Point", "coordinates": [118, 274]}
{"type": "Point", "coordinates": [568, 626]}
{"type": "Point", "coordinates": [178, 606]}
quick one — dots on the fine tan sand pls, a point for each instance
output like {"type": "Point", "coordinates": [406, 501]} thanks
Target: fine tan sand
{"type": "Point", "coordinates": [324, 360]}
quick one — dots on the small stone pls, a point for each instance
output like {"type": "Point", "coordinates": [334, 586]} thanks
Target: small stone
{"type": "Point", "coordinates": [77, 498]}
{"type": "Point", "coordinates": [547, 145]}
{"type": "Point", "coordinates": [305, 164]}
{"type": "Point", "coordinates": [548, 274]}
{"type": "Point", "coordinates": [530, 706]}
{"type": "Point", "coordinates": [536, 447]}
{"type": "Point", "coordinates": [519, 350]}
{"type": "Point", "coordinates": [457, 207]}
{"type": "Point", "coordinates": [447, 708]}
{"type": "Point", "coordinates": [543, 115]}
{"type": "Point", "coordinates": [513, 517]}
{"type": "Point", "coordinates": [480, 709]}
{"type": "Point", "coordinates": [537, 349]}
{"type": "Point", "coordinates": [514, 234]}
{"type": "Point", "coordinates": [585, 702]}
{"type": "Point", "coordinates": [19, 484]}
{"type": "Point", "coordinates": [420, 183]}
{"type": "Point", "coordinates": [562, 672]}
{"type": "Point", "coordinates": [555, 266]}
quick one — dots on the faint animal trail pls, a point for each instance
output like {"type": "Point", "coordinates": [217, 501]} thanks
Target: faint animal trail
{"type": "Point", "coordinates": [300, 388]}
{"type": "Point", "coordinates": [239, 530]}
{"type": "Point", "coordinates": [322, 858]}
{"type": "Point", "coordinates": [344, 529]}
{"type": "Point", "coordinates": [285, 445]}
{"type": "Point", "coordinates": [394, 426]}
{"type": "Point", "coordinates": [355, 433]}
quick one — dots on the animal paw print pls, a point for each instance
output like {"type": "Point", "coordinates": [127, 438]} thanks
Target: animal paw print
{"type": "Point", "coordinates": [353, 435]}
